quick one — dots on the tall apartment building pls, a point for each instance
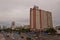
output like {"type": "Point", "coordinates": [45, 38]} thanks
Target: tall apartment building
{"type": "Point", "coordinates": [40, 19]}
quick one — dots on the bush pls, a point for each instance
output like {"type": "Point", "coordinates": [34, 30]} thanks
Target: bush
{"type": "Point", "coordinates": [25, 30]}
{"type": "Point", "coordinates": [7, 30]}
{"type": "Point", "coordinates": [28, 38]}
{"type": "Point", "coordinates": [50, 30]}
{"type": "Point", "coordinates": [0, 30]}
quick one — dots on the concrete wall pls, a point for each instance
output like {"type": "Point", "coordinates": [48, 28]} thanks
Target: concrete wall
{"type": "Point", "coordinates": [44, 19]}
{"type": "Point", "coordinates": [49, 16]}
{"type": "Point", "coordinates": [31, 17]}
{"type": "Point", "coordinates": [37, 19]}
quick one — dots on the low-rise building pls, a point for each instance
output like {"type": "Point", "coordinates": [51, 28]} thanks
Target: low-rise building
{"type": "Point", "coordinates": [57, 29]}
{"type": "Point", "coordinates": [26, 26]}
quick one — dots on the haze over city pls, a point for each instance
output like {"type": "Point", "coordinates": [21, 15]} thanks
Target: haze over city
{"type": "Point", "coordinates": [19, 10]}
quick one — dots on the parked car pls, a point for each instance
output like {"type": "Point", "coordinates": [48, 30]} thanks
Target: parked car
{"type": "Point", "coordinates": [7, 35]}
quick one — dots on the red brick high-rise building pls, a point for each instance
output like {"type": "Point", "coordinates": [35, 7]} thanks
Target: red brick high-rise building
{"type": "Point", "coordinates": [40, 19]}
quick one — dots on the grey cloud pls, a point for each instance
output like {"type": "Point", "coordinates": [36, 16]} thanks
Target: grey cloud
{"type": "Point", "coordinates": [18, 10]}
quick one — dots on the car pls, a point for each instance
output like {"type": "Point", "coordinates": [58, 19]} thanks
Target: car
{"type": "Point", "coordinates": [7, 35]}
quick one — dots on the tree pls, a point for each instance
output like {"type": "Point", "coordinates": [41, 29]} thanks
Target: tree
{"type": "Point", "coordinates": [50, 30]}
{"type": "Point", "coordinates": [7, 30]}
{"type": "Point", "coordinates": [0, 30]}
{"type": "Point", "coordinates": [25, 30]}
{"type": "Point", "coordinates": [28, 38]}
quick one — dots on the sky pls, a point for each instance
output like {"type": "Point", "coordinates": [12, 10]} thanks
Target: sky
{"type": "Point", "coordinates": [19, 10]}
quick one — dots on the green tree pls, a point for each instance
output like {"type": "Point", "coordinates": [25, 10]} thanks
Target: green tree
{"type": "Point", "coordinates": [25, 30]}
{"type": "Point", "coordinates": [28, 38]}
{"type": "Point", "coordinates": [7, 30]}
{"type": "Point", "coordinates": [0, 30]}
{"type": "Point", "coordinates": [50, 30]}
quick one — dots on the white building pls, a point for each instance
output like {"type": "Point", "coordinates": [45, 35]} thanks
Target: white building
{"type": "Point", "coordinates": [40, 19]}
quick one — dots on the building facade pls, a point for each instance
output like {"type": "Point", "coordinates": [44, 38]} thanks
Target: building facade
{"type": "Point", "coordinates": [26, 27]}
{"type": "Point", "coordinates": [40, 19]}
{"type": "Point", "coordinates": [13, 25]}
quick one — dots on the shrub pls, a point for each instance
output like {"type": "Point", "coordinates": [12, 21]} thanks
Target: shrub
{"type": "Point", "coordinates": [50, 30]}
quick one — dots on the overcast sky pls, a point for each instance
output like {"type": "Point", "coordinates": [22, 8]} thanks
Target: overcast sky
{"type": "Point", "coordinates": [18, 10]}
